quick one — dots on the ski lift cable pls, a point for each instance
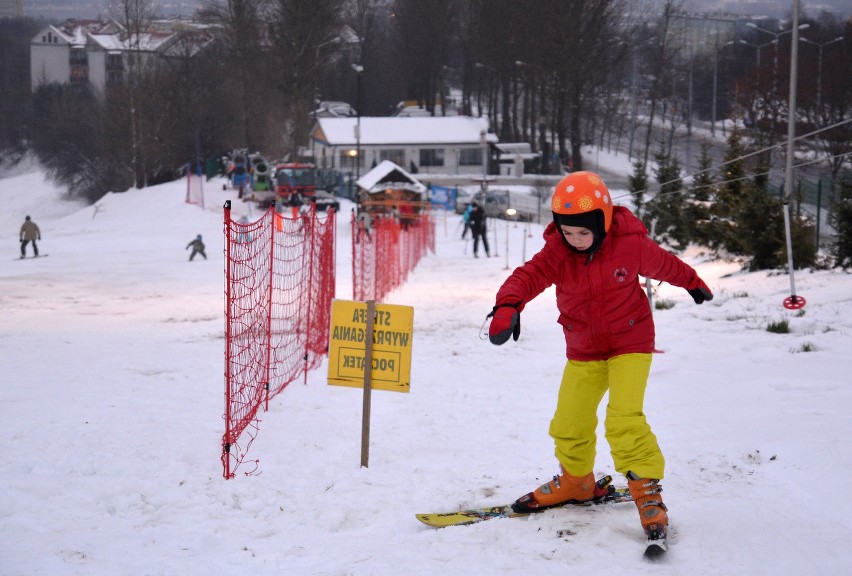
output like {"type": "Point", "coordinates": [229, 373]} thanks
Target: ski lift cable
{"type": "Point", "coordinates": [732, 180]}
{"type": "Point", "coordinates": [744, 157]}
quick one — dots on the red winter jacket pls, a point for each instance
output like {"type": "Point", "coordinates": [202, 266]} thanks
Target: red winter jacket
{"type": "Point", "coordinates": [603, 309]}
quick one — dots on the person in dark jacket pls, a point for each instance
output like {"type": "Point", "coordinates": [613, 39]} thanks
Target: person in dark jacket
{"type": "Point", "coordinates": [197, 248]}
{"type": "Point", "coordinates": [29, 233]}
{"type": "Point", "coordinates": [479, 229]}
{"type": "Point", "coordinates": [595, 253]}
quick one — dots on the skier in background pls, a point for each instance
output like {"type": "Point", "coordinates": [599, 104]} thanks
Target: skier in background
{"type": "Point", "coordinates": [295, 203]}
{"type": "Point", "coordinates": [363, 222]}
{"type": "Point", "coordinates": [29, 233]}
{"type": "Point", "coordinates": [197, 248]}
{"type": "Point", "coordinates": [466, 220]}
{"type": "Point", "coordinates": [479, 229]}
{"type": "Point", "coordinates": [594, 253]}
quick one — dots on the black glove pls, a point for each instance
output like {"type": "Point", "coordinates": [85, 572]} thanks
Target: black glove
{"type": "Point", "coordinates": [701, 292]}
{"type": "Point", "coordinates": [506, 321]}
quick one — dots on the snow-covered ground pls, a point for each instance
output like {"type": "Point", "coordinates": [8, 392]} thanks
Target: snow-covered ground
{"type": "Point", "coordinates": [111, 409]}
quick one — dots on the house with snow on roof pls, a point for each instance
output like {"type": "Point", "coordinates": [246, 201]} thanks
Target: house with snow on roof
{"type": "Point", "coordinates": [96, 51]}
{"type": "Point", "coordinates": [425, 145]}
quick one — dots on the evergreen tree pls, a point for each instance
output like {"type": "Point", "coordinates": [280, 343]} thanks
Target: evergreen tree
{"type": "Point", "coordinates": [763, 161]}
{"type": "Point", "coordinates": [638, 186]}
{"type": "Point", "coordinates": [666, 210]}
{"type": "Point", "coordinates": [760, 224]}
{"type": "Point", "coordinates": [841, 221]}
{"type": "Point", "coordinates": [729, 197]}
{"type": "Point", "coordinates": [763, 233]}
{"type": "Point", "coordinates": [698, 204]}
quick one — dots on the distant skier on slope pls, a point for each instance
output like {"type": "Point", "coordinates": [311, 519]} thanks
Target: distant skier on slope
{"type": "Point", "coordinates": [594, 253]}
{"type": "Point", "coordinates": [197, 248]}
{"type": "Point", "coordinates": [29, 233]}
{"type": "Point", "coordinates": [479, 229]}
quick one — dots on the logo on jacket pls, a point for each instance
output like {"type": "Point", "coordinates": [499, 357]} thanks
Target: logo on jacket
{"type": "Point", "coordinates": [620, 275]}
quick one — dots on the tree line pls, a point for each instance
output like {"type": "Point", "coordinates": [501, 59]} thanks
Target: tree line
{"type": "Point", "coordinates": [559, 74]}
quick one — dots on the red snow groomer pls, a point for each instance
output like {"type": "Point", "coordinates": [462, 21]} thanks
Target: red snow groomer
{"type": "Point", "coordinates": [295, 177]}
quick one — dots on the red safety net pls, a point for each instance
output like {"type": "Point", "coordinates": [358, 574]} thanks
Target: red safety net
{"type": "Point", "coordinates": [279, 284]}
{"type": "Point", "coordinates": [383, 256]}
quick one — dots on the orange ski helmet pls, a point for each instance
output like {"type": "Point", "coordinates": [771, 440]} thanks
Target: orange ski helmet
{"type": "Point", "coordinates": [581, 193]}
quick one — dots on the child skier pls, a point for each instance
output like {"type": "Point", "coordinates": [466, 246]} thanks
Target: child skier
{"type": "Point", "coordinates": [197, 248]}
{"type": "Point", "coordinates": [594, 253]}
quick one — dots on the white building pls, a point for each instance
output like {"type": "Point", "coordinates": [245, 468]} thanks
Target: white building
{"type": "Point", "coordinates": [96, 52]}
{"type": "Point", "coordinates": [428, 145]}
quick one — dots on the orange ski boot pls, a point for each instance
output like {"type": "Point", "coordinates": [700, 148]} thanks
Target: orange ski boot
{"type": "Point", "coordinates": [564, 489]}
{"type": "Point", "coordinates": [652, 511]}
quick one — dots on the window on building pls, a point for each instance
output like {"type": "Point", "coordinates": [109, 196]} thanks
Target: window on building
{"type": "Point", "coordinates": [470, 157]}
{"type": "Point", "coordinates": [114, 62]}
{"type": "Point", "coordinates": [78, 73]}
{"type": "Point", "coordinates": [77, 57]}
{"type": "Point", "coordinates": [432, 157]}
{"type": "Point", "coordinates": [395, 155]}
{"type": "Point", "coordinates": [114, 77]}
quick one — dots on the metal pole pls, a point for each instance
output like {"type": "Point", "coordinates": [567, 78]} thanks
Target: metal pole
{"type": "Point", "coordinates": [818, 211]}
{"type": "Point", "coordinates": [368, 384]}
{"type": "Point", "coordinates": [358, 70]}
{"type": "Point", "coordinates": [715, 82]}
{"type": "Point", "coordinates": [483, 140]}
{"type": "Point", "coordinates": [791, 134]}
{"type": "Point", "coordinates": [649, 289]}
{"type": "Point", "coordinates": [507, 244]}
{"type": "Point", "coordinates": [633, 105]}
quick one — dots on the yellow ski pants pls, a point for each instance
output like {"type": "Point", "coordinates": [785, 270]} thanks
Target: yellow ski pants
{"type": "Point", "coordinates": [573, 428]}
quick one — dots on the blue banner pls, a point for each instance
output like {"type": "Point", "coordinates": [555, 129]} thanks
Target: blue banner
{"type": "Point", "coordinates": [443, 197]}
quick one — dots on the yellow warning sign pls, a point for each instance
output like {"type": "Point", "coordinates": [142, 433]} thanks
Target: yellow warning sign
{"type": "Point", "coordinates": [391, 350]}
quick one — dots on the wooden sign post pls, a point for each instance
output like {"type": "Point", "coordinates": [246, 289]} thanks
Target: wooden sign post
{"type": "Point", "coordinates": [366, 334]}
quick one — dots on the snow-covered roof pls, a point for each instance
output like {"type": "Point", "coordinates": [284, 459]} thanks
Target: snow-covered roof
{"type": "Point", "coordinates": [147, 42]}
{"type": "Point", "coordinates": [76, 32]}
{"type": "Point", "coordinates": [334, 109]}
{"type": "Point", "coordinates": [401, 131]}
{"type": "Point", "coordinates": [109, 36]}
{"type": "Point", "coordinates": [386, 175]}
{"type": "Point", "coordinates": [516, 151]}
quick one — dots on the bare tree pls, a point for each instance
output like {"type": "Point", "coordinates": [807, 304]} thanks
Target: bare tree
{"type": "Point", "coordinates": [135, 17]}
{"type": "Point", "coordinates": [663, 53]}
{"type": "Point", "coordinates": [243, 36]}
{"type": "Point", "coordinates": [15, 84]}
{"type": "Point", "coordinates": [597, 51]}
{"type": "Point", "coordinates": [299, 29]}
{"type": "Point", "coordinates": [426, 32]}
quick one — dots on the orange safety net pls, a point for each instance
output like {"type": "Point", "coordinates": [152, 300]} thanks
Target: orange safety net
{"type": "Point", "coordinates": [279, 284]}
{"type": "Point", "coordinates": [384, 252]}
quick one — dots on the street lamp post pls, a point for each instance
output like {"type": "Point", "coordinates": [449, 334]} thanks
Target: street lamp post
{"type": "Point", "coordinates": [777, 36]}
{"type": "Point", "coordinates": [715, 80]}
{"type": "Point", "coordinates": [335, 40]}
{"type": "Point", "coordinates": [510, 213]}
{"type": "Point", "coordinates": [633, 102]}
{"type": "Point", "coordinates": [358, 70]}
{"type": "Point", "coordinates": [483, 141]}
{"type": "Point", "coordinates": [634, 88]}
{"type": "Point", "coordinates": [758, 48]}
{"type": "Point", "coordinates": [819, 66]}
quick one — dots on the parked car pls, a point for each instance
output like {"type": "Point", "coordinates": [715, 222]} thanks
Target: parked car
{"type": "Point", "coordinates": [325, 200]}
